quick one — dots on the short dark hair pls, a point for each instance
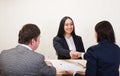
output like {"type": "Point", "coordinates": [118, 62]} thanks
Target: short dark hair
{"type": "Point", "coordinates": [61, 26]}
{"type": "Point", "coordinates": [105, 30]}
{"type": "Point", "coordinates": [27, 33]}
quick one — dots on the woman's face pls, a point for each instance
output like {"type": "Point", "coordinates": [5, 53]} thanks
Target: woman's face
{"type": "Point", "coordinates": [68, 26]}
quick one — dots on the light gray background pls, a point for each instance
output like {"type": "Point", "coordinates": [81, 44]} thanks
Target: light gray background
{"type": "Point", "coordinates": [47, 15]}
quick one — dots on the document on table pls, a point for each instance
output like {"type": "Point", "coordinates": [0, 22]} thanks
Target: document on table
{"type": "Point", "coordinates": [68, 65]}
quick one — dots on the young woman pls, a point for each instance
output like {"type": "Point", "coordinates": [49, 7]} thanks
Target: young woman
{"type": "Point", "coordinates": [67, 44]}
{"type": "Point", "coordinates": [103, 59]}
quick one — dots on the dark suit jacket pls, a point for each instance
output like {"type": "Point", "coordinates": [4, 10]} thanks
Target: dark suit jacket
{"type": "Point", "coordinates": [62, 48]}
{"type": "Point", "coordinates": [20, 61]}
{"type": "Point", "coordinates": [102, 60]}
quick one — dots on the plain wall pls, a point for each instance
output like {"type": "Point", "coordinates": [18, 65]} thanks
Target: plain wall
{"type": "Point", "coordinates": [47, 15]}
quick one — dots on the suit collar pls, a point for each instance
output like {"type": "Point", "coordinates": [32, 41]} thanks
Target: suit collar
{"type": "Point", "coordinates": [23, 48]}
{"type": "Point", "coordinates": [66, 45]}
{"type": "Point", "coordinates": [74, 39]}
{"type": "Point", "coordinates": [104, 41]}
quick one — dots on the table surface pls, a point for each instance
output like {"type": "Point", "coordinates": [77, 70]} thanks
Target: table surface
{"type": "Point", "coordinates": [64, 65]}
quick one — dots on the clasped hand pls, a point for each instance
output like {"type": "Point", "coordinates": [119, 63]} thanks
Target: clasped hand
{"type": "Point", "coordinates": [75, 55]}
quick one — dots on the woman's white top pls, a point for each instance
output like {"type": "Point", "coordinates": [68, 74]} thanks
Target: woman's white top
{"type": "Point", "coordinates": [70, 43]}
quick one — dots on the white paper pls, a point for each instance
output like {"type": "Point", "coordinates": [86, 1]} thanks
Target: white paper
{"type": "Point", "coordinates": [68, 66]}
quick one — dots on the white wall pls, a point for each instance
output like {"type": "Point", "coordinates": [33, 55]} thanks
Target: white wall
{"type": "Point", "coordinates": [47, 15]}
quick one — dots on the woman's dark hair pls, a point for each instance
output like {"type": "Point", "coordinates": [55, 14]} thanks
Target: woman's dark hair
{"type": "Point", "coordinates": [27, 33]}
{"type": "Point", "coordinates": [104, 31]}
{"type": "Point", "coordinates": [61, 27]}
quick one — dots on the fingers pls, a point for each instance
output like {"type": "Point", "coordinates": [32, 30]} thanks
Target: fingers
{"type": "Point", "coordinates": [75, 55]}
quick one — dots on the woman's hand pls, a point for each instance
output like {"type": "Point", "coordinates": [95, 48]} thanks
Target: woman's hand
{"type": "Point", "coordinates": [75, 55]}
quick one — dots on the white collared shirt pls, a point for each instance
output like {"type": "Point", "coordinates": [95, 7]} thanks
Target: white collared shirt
{"type": "Point", "coordinates": [70, 43]}
{"type": "Point", "coordinates": [25, 46]}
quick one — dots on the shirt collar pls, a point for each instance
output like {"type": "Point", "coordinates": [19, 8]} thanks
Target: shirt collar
{"type": "Point", "coordinates": [25, 46]}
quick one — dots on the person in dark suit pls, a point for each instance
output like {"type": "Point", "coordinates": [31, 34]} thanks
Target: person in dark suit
{"type": "Point", "coordinates": [67, 44]}
{"type": "Point", "coordinates": [22, 60]}
{"type": "Point", "coordinates": [103, 59]}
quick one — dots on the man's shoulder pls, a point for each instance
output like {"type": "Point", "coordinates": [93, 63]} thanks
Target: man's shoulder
{"type": "Point", "coordinates": [7, 50]}
{"type": "Point", "coordinates": [38, 55]}
{"type": "Point", "coordinates": [20, 50]}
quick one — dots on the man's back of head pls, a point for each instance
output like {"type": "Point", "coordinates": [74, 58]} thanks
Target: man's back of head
{"type": "Point", "coordinates": [28, 34]}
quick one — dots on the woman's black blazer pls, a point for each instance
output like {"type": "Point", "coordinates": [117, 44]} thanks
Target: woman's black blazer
{"type": "Point", "coordinates": [62, 49]}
